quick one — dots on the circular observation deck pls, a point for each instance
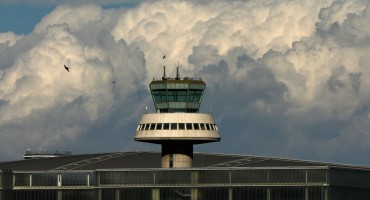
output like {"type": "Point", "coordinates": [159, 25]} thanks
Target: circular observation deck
{"type": "Point", "coordinates": [158, 128]}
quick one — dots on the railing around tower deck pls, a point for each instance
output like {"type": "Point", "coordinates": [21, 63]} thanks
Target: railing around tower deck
{"type": "Point", "coordinates": [169, 78]}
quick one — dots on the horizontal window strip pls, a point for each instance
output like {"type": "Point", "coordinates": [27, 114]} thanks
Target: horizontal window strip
{"type": "Point", "coordinates": [177, 126]}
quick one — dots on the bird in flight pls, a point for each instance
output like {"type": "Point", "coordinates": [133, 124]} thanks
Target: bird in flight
{"type": "Point", "coordinates": [67, 68]}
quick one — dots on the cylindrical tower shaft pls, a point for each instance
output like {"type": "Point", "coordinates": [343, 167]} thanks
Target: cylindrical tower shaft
{"type": "Point", "coordinates": [177, 154]}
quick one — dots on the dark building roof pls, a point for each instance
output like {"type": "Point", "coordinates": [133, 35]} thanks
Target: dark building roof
{"type": "Point", "coordinates": [137, 160]}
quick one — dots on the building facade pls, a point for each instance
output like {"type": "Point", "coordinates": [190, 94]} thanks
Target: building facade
{"type": "Point", "coordinates": [251, 183]}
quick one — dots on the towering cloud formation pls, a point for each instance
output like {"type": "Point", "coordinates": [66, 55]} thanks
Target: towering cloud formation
{"type": "Point", "coordinates": [285, 78]}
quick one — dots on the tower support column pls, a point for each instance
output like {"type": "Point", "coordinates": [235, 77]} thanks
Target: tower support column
{"type": "Point", "coordinates": [268, 193]}
{"type": "Point", "coordinates": [156, 194]}
{"type": "Point", "coordinates": [177, 154]}
{"type": "Point", "coordinates": [59, 194]}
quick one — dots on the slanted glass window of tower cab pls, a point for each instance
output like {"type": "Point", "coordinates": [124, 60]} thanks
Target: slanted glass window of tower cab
{"type": "Point", "coordinates": [180, 95]}
{"type": "Point", "coordinates": [189, 126]}
{"type": "Point", "coordinates": [166, 126]}
{"type": "Point", "coordinates": [173, 126]}
{"type": "Point", "coordinates": [202, 126]}
{"type": "Point", "coordinates": [159, 126]}
{"type": "Point", "coordinates": [181, 126]}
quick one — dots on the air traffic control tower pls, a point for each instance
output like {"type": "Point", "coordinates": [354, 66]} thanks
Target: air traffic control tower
{"type": "Point", "coordinates": [177, 124]}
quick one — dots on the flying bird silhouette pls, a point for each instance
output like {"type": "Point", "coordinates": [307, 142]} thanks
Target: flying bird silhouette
{"type": "Point", "coordinates": [67, 68]}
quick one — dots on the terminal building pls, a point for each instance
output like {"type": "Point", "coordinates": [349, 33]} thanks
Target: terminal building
{"type": "Point", "coordinates": [177, 173]}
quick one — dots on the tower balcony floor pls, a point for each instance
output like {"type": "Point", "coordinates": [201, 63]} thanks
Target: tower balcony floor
{"type": "Point", "coordinates": [162, 127]}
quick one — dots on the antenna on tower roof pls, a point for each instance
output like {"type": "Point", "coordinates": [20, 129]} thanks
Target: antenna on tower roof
{"type": "Point", "coordinates": [164, 73]}
{"type": "Point", "coordinates": [177, 72]}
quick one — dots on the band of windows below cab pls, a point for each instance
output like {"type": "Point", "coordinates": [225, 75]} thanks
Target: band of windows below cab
{"type": "Point", "coordinates": [177, 126]}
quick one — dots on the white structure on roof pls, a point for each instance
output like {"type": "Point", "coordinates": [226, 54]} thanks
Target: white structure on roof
{"type": "Point", "coordinates": [177, 124]}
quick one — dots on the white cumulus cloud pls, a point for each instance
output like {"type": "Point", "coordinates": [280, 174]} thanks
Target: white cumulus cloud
{"type": "Point", "coordinates": [284, 78]}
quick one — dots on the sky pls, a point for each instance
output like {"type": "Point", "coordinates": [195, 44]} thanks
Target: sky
{"type": "Point", "coordinates": [285, 78]}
